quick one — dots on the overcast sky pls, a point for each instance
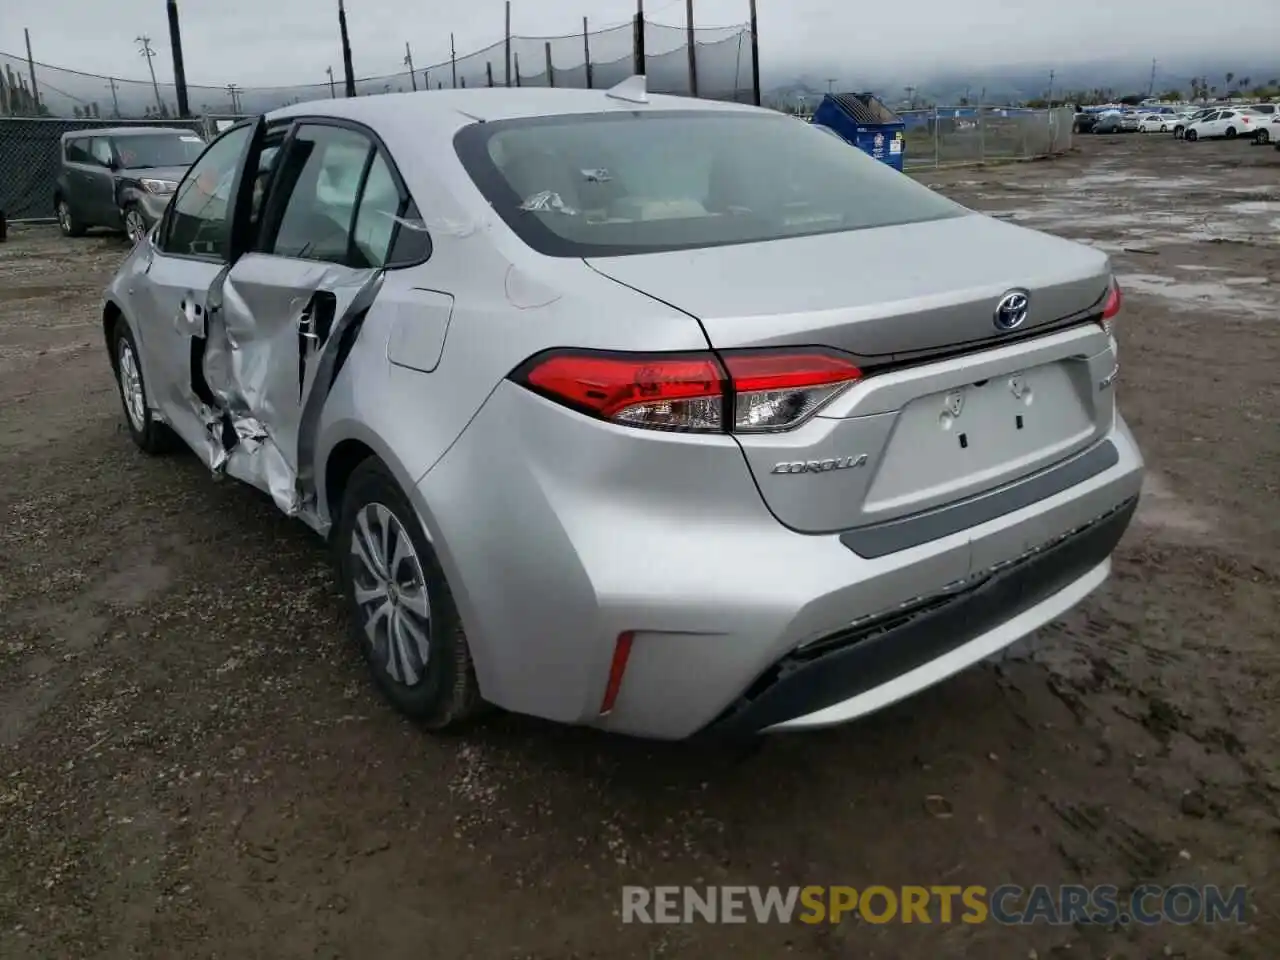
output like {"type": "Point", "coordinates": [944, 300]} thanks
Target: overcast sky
{"type": "Point", "coordinates": [255, 42]}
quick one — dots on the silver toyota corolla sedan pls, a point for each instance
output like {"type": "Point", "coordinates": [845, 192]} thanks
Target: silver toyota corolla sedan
{"type": "Point", "coordinates": [664, 416]}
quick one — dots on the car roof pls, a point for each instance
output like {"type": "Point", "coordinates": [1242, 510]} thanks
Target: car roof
{"type": "Point", "coordinates": [485, 104]}
{"type": "Point", "coordinates": [125, 132]}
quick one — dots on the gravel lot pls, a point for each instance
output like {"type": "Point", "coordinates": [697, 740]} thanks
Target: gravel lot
{"type": "Point", "coordinates": [192, 763]}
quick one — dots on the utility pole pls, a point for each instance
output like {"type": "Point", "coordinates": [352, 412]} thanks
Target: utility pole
{"type": "Point", "coordinates": [911, 97]}
{"type": "Point", "coordinates": [147, 52]}
{"type": "Point", "coordinates": [348, 70]}
{"type": "Point", "coordinates": [453, 61]}
{"type": "Point", "coordinates": [235, 94]}
{"type": "Point", "coordinates": [179, 69]}
{"type": "Point", "coordinates": [1051, 75]}
{"type": "Point", "coordinates": [333, 90]}
{"type": "Point", "coordinates": [408, 62]}
{"type": "Point", "coordinates": [755, 56]}
{"type": "Point", "coordinates": [693, 48]}
{"type": "Point", "coordinates": [31, 68]}
{"type": "Point", "coordinates": [115, 100]}
{"type": "Point", "coordinates": [586, 52]}
{"type": "Point", "coordinates": [1151, 87]}
{"type": "Point", "coordinates": [831, 83]}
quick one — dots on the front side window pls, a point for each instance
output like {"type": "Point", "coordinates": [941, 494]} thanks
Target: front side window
{"type": "Point", "coordinates": [147, 151]}
{"type": "Point", "coordinates": [197, 219]}
{"type": "Point", "coordinates": [614, 184]}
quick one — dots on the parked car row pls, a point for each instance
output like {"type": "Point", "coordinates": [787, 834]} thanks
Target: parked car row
{"type": "Point", "coordinates": [1259, 122]}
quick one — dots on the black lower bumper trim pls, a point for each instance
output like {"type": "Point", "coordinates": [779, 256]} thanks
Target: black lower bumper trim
{"type": "Point", "coordinates": [851, 662]}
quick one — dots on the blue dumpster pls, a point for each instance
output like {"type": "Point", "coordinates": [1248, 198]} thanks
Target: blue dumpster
{"type": "Point", "coordinates": [864, 121]}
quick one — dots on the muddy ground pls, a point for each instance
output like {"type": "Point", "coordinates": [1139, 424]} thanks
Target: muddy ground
{"type": "Point", "coordinates": [193, 764]}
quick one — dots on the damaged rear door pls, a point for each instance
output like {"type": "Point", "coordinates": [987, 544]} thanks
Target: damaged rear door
{"type": "Point", "coordinates": [286, 310]}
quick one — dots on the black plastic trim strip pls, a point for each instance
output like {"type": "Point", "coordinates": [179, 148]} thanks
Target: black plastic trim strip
{"type": "Point", "coordinates": [890, 536]}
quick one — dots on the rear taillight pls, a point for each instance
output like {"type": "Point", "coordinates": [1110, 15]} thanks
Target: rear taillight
{"type": "Point", "coordinates": [746, 391]}
{"type": "Point", "coordinates": [775, 391]}
{"type": "Point", "coordinates": [1111, 306]}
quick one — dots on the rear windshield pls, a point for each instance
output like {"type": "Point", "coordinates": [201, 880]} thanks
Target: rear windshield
{"type": "Point", "coordinates": [593, 185]}
{"type": "Point", "coordinates": [158, 150]}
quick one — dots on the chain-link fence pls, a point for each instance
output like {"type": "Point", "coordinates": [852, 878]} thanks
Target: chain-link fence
{"type": "Point", "coordinates": [29, 159]}
{"type": "Point", "coordinates": [588, 59]}
{"type": "Point", "coordinates": [941, 136]}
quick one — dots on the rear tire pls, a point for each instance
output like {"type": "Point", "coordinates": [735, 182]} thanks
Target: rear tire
{"type": "Point", "coordinates": [67, 222]}
{"type": "Point", "coordinates": [1262, 136]}
{"type": "Point", "coordinates": [149, 434]}
{"type": "Point", "coordinates": [400, 609]}
{"type": "Point", "coordinates": [1191, 136]}
{"type": "Point", "coordinates": [1231, 133]}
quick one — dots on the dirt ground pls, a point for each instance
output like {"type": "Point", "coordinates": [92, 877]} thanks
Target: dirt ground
{"type": "Point", "coordinates": [193, 764]}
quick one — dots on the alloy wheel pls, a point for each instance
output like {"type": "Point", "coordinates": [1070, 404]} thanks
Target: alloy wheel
{"type": "Point", "coordinates": [135, 226]}
{"type": "Point", "coordinates": [391, 594]}
{"type": "Point", "coordinates": [135, 402]}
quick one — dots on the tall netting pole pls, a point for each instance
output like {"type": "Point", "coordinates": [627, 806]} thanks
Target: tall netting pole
{"type": "Point", "coordinates": [179, 69]}
{"type": "Point", "coordinates": [347, 67]}
{"type": "Point", "coordinates": [637, 43]}
{"type": "Point", "coordinates": [508, 43]}
{"type": "Point", "coordinates": [693, 49]}
{"type": "Point", "coordinates": [755, 57]}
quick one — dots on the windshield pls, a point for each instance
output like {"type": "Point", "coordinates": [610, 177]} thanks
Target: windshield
{"type": "Point", "coordinates": [622, 183]}
{"type": "Point", "coordinates": [158, 150]}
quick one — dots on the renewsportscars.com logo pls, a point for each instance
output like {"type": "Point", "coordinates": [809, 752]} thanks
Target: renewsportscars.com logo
{"type": "Point", "coordinates": [1009, 905]}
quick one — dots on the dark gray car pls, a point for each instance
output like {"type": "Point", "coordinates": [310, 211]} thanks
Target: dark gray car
{"type": "Point", "coordinates": [122, 177]}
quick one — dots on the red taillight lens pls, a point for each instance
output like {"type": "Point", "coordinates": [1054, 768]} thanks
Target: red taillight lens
{"type": "Point", "coordinates": [761, 390]}
{"type": "Point", "coordinates": [774, 391]}
{"type": "Point", "coordinates": [1111, 306]}
{"type": "Point", "coordinates": [662, 392]}
{"type": "Point", "coordinates": [1115, 299]}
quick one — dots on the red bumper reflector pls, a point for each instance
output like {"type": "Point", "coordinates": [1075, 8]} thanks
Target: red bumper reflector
{"type": "Point", "coordinates": [621, 651]}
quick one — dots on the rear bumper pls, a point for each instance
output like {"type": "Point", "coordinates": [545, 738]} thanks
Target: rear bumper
{"type": "Point", "coordinates": [865, 668]}
{"type": "Point", "coordinates": [577, 531]}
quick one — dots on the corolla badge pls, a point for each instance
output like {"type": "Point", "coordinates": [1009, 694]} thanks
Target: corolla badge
{"type": "Point", "coordinates": [820, 466]}
{"type": "Point", "coordinates": [1011, 311]}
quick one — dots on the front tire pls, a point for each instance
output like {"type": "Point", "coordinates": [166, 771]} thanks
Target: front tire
{"type": "Point", "coordinates": [135, 223]}
{"type": "Point", "coordinates": [1262, 136]}
{"type": "Point", "coordinates": [401, 611]}
{"type": "Point", "coordinates": [67, 222]}
{"type": "Point", "coordinates": [149, 434]}
{"type": "Point", "coordinates": [1191, 136]}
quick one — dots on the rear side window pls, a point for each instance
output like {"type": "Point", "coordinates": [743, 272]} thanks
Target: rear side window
{"type": "Point", "coordinates": [624, 183]}
{"type": "Point", "coordinates": [100, 151]}
{"type": "Point", "coordinates": [78, 151]}
{"type": "Point", "coordinates": [344, 204]}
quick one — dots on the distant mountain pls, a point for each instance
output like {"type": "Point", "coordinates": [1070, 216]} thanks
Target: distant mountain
{"type": "Point", "coordinates": [1012, 84]}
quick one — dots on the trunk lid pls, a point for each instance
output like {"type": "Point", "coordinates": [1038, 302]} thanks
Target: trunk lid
{"type": "Point", "coordinates": [992, 409]}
